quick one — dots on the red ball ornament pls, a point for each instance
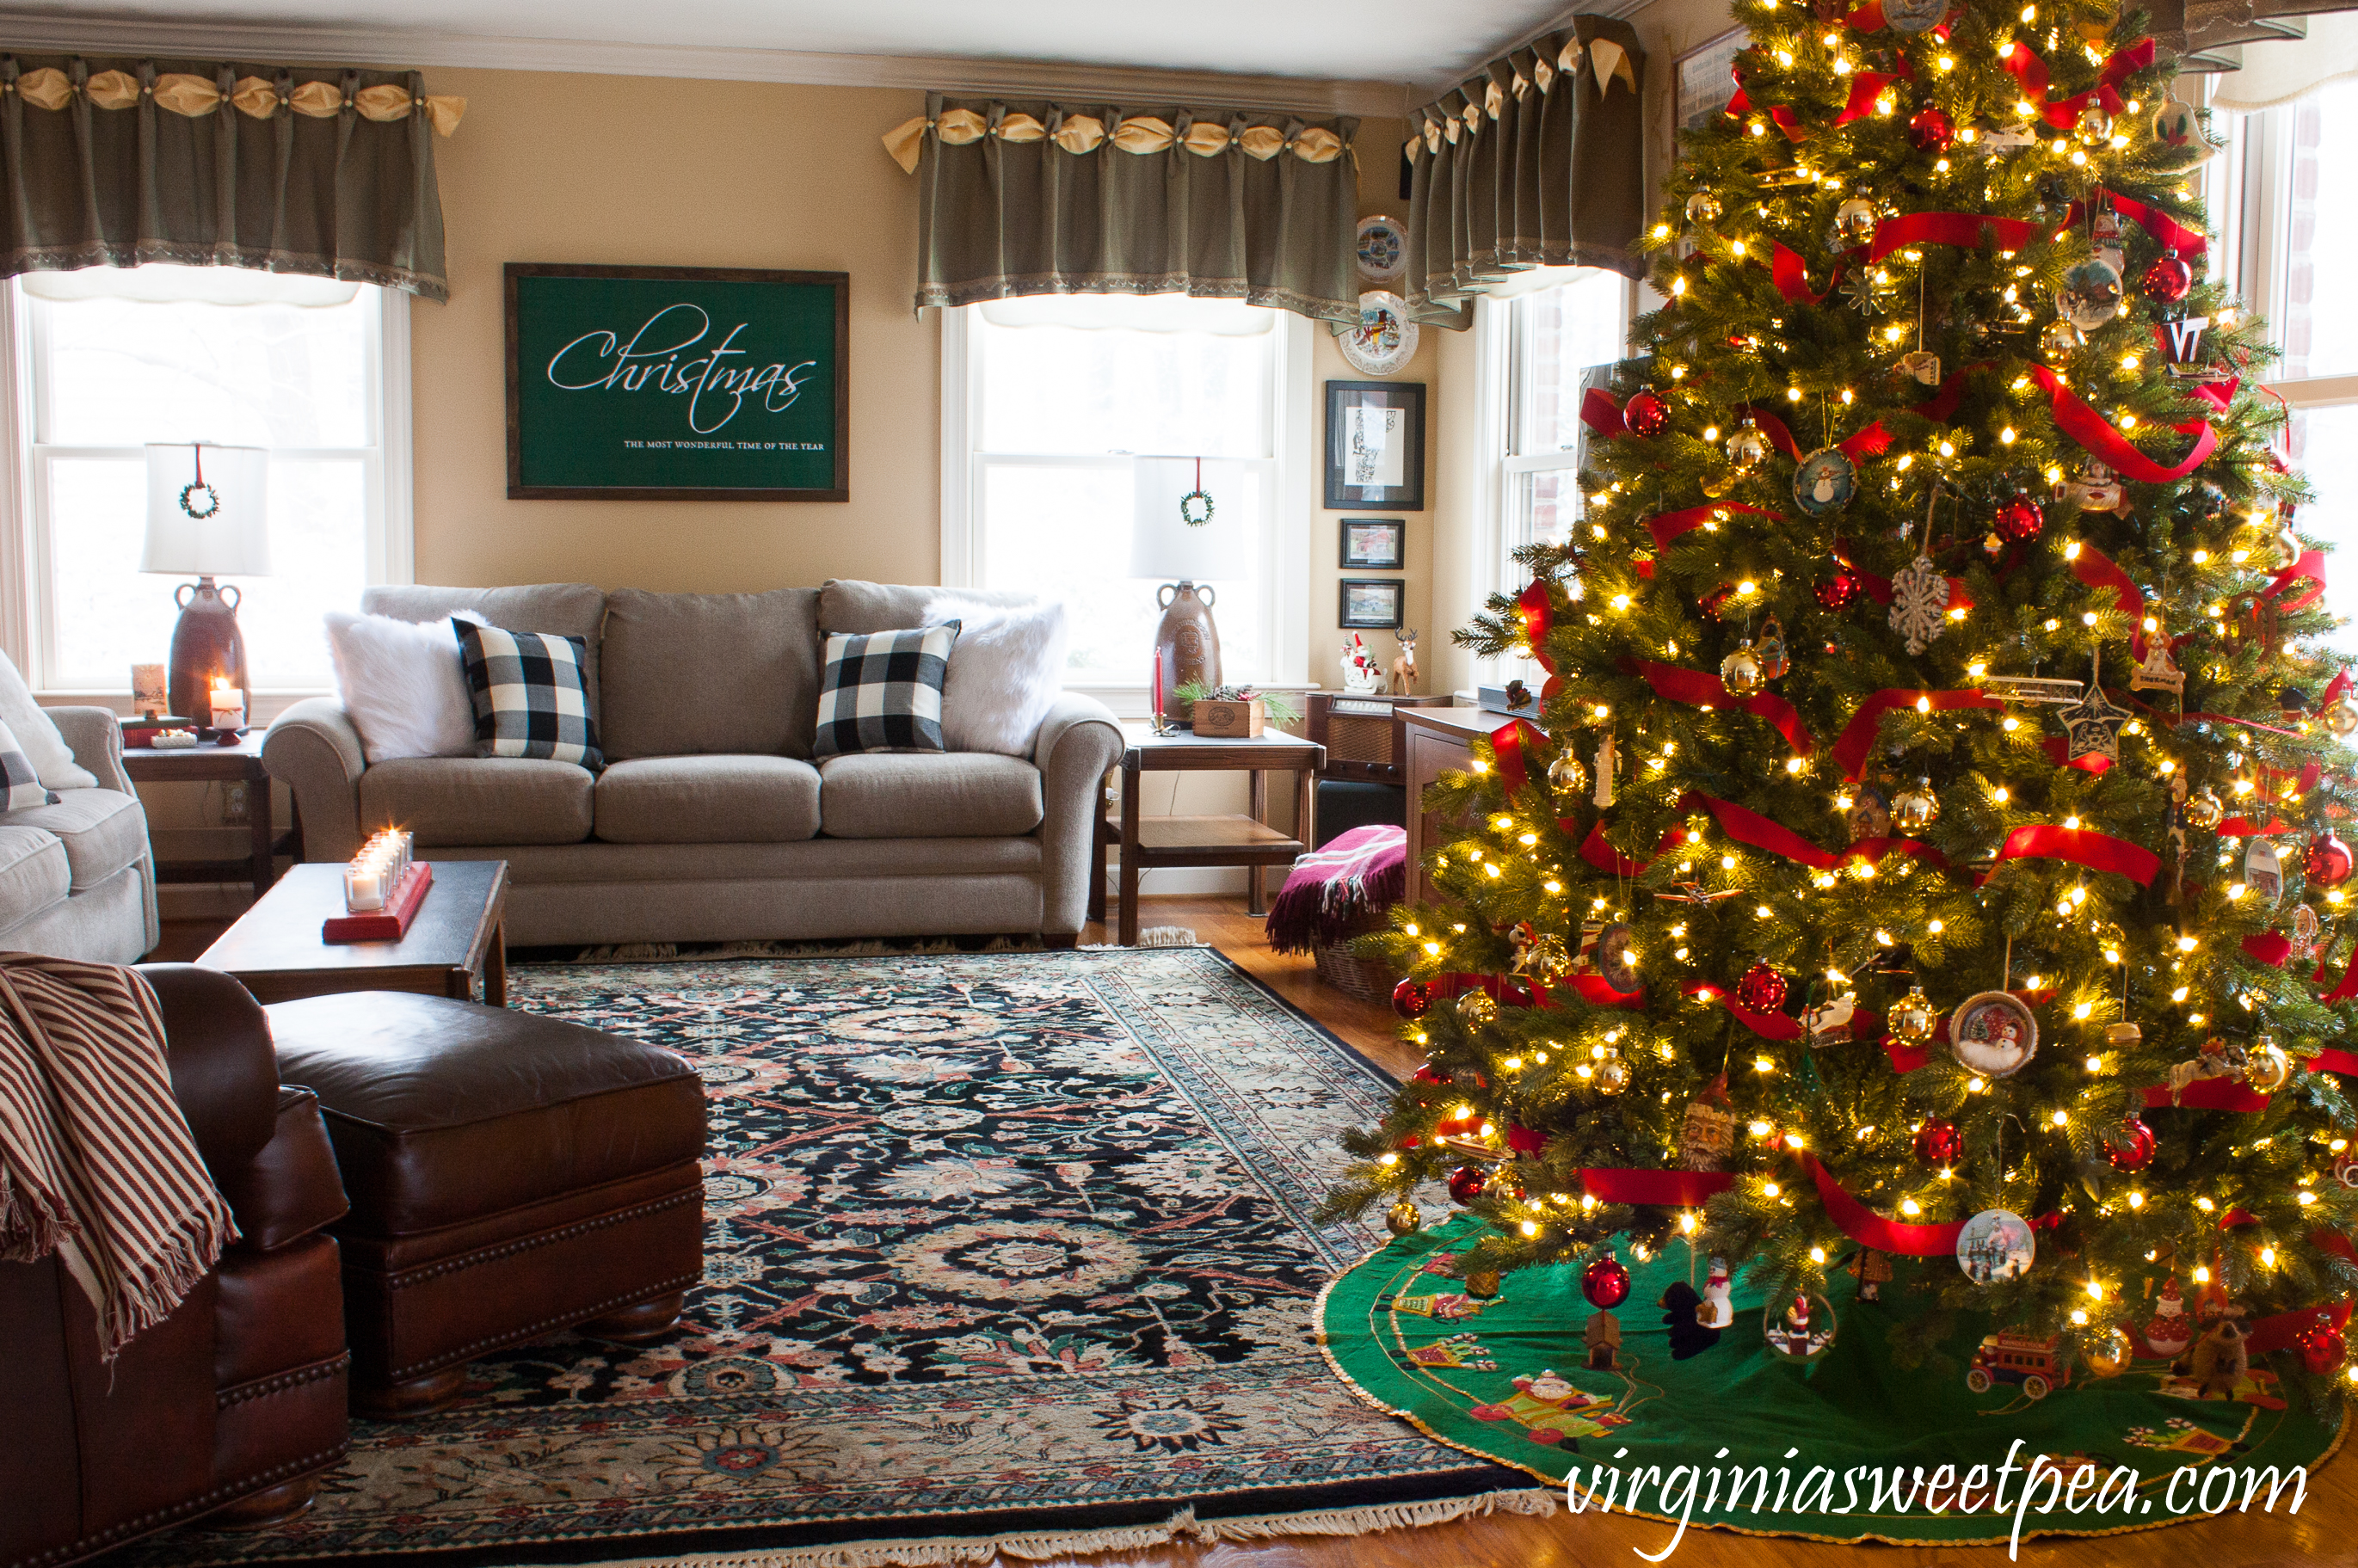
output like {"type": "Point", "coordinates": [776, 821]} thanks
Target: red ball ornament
{"type": "Point", "coordinates": [1762, 990]}
{"type": "Point", "coordinates": [2322, 1347]}
{"type": "Point", "coordinates": [1412, 999]}
{"type": "Point", "coordinates": [1931, 130]}
{"type": "Point", "coordinates": [1940, 1143]}
{"type": "Point", "coordinates": [2167, 280]}
{"type": "Point", "coordinates": [1841, 590]}
{"type": "Point", "coordinates": [2326, 862]}
{"type": "Point", "coordinates": [2018, 520]}
{"type": "Point", "coordinates": [1467, 1183]}
{"type": "Point", "coordinates": [1605, 1282]}
{"type": "Point", "coordinates": [1646, 415]}
{"type": "Point", "coordinates": [1715, 603]}
{"type": "Point", "coordinates": [2138, 1153]}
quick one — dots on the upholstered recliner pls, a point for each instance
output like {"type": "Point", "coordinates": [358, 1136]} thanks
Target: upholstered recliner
{"type": "Point", "coordinates": [229, 1409]}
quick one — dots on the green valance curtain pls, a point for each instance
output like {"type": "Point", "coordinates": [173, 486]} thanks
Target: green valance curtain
{"type": "Point", "coordinates": [328, 172]}
{"type": "Point", "coordinates": [1017, 199]}
{"type": "Point", "coordinates": [1536, 160]}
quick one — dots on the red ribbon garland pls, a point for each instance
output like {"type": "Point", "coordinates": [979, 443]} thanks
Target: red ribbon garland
{"type": "Point", "coordinates": [2209, 1093]}
{"type": "Point", "coordinates": [2095, 569]}
{"type": "Point", "coordinates": [2269, 947]}
{"type": "Point", "coordinates": [2081, 846]}
{"type": "Point", "coordinates": [2309, 568]}
{"type": "Point", "coordinates": [1508, 744]}
{"type": "Point", "coordinates": [1670, 526]}
{"type": "Point", "coordinates": [1750, 828]}
{"type": "Point", "coordinates": [2333, 1059]}
{"type": "Point", "coordinates": [1865, 88]}
{"type": "Point", "coordinates": [1606, 858]}
{"type": "Point", "coordinates": [1666, 1189]}
{"type": "Point", "coordinates": [1868, 443]}
{"type": "Point", "coordinates": [2218, 395]}
{"type": "Point", "coordinates": [1858, 736]}
{"type": "Point", "coordinates": [2096, 436]}
{"type": "Point", "coordinates": [2023, 63]}
{"type": "Point", "coordinates": [1601, 414]}
{"type": "Point", "coordinates": [1696, 690]}
{"type": "Point", "coordinates": [1864, 1225]}
{"type": "Point", "coordinates": [1767, 1025]}
{"type": "Point", "coordinates": [2059, 751]}
{"type": "Point", "coordinates": [2166, 231]}
{"type": "Point", "coordinates": [1966, 230]}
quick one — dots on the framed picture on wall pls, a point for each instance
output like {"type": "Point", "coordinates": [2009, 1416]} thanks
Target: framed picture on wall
{"type": "Point", "coordinates": [1373, 601]}
{"type": "Point", "coordinates": [677, 383]}
{"type": "Point", "coordinates": [1375, 544]}
{"type": "Point", "coordinates": [1375, 444]}
{"type": "Point", "coordinates": [1701, 84]}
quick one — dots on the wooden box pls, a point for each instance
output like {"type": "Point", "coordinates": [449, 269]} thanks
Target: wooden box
{"type": "Point", "coordinates": [1230, 721]}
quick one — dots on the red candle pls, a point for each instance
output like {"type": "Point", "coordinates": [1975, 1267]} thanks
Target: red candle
{"type": "Point", "coordinates": [1154, 684]}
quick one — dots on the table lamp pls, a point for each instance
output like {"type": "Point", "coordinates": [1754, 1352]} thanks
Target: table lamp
{"type": "Point", "coordinates": [207, 516]}
{"type": "Point", "coordinates": [1183, 529]}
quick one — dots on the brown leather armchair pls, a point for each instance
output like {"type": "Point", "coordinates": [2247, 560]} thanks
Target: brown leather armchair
{"type": "Point", "coordinates": [229, 1409]}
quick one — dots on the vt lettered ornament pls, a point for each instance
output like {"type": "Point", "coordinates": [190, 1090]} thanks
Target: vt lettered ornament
{"type": "Point", "coordinates": [1920, 603]}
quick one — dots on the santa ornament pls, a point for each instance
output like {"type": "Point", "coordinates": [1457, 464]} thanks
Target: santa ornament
{"type": "Point", "coordinates": [2169, 1331]}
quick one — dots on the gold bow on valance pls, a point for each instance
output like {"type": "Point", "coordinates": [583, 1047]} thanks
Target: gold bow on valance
{"type": "Point", "coordinates": [196, 96]}
{"type": "Point", "coordinates": [1081, 133]}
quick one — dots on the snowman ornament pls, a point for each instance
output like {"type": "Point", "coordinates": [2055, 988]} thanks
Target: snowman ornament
{"type": "Point", "coordinates": [1715, 1311]}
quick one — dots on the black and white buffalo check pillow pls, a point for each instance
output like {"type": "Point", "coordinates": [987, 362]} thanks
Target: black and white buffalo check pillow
{"type": "Point", "coordinates": [530, 697]}
{"type": "Point", "coordinates": [882, 692]}
{"type": "Point", "coordinates": [16, 775]}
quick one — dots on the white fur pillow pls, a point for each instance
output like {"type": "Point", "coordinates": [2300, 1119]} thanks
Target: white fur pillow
{"type": "Point", "coordinates": [404, 685]}
{"type": "Point", "coordinates": [37, 732]}
{"type": "Point", "coordinates": [1006, 671]}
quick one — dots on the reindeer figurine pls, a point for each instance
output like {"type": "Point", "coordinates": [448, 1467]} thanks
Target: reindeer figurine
{"type": "Point", "coordinates": [1403, 677]}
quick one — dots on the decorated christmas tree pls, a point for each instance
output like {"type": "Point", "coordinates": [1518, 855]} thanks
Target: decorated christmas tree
{"type": "Point", "coordinates": [1926, 866]}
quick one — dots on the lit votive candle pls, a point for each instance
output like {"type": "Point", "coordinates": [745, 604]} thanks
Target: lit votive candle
{"type": "Point", "coordinates": [363, 886]}
{"type": "Point", "coordinates": [229, 707]}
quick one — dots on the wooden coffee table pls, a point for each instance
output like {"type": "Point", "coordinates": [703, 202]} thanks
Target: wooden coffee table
{"type": "Point", "coordinates": [277, 951]}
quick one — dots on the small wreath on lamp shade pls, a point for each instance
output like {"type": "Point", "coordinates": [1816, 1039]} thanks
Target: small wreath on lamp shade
{"type": "Point", "coordinates": [1186, 504]}
{"type": "Point", "coordinates": [199, 488]}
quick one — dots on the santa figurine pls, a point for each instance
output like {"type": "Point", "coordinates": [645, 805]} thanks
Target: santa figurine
{"type": "Point", "coordinates": [1717, 1311]}
{"type": "Point", "coordinates": [2169, 1331]}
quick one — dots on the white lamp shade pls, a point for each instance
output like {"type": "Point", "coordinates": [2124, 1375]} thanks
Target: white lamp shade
{"type": "Point", "coordinates": [208, 510]}
{"type": "Point", "coordinates": [1166, 546]}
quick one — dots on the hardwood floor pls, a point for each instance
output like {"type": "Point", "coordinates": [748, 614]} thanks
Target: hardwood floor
{"type": "Point", "coordinates": [2324, 1534]}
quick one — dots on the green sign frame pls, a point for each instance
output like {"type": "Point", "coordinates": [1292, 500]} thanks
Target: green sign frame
{"type": "Point", "coordinates": [677, 383]}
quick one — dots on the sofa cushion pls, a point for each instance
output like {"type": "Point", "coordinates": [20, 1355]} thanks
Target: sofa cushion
{"type": "Point", "coordinates": [846, 604]}
{"type": "Point", "coordinates": [707, 800]}
{"type": "Point", "coordinates": [882, 692]}
{"type": "Point", "coordinates": [751, 661]}
{"type": "Point", "coordinates": [919, 795]}
{"type": "Point", "coordinates": [531, 692]}
{"type": "Point", "coordinates": [100, 830]}
{"type": "Point", "coordinates": [34, 872]}
{"type": "Point", "coordinates": [567, 609]}
{"type": "Point", "coordinates": [479, 800]}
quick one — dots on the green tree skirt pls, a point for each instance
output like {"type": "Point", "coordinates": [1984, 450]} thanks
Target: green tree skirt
{"type": "Point", "coordinates": [1401, 1330]}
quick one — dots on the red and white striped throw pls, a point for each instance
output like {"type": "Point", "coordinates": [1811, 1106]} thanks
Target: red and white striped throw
{"type": "Point", "coordinates": [97, 1163]}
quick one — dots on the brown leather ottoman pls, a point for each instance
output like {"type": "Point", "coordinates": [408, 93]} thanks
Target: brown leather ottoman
{"type": "Point", "coordinates": [510, 1176]}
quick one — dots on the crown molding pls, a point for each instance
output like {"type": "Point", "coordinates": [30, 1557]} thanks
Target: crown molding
{"type": "Point", "coordinates": [35, 32]}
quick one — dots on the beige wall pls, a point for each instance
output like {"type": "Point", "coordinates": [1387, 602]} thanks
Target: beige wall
{"type": "Point", "coordinates": [561, 168]}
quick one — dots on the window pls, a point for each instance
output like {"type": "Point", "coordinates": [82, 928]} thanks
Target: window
{"type": "Point", "coordinates": [2284, 236]}
{"type": "Point", "coordinates": [110, 360]}
{"type": "Point", "coordinates": [1557, 336]}
{"type": "Point", "coordinates": [1045, 401]}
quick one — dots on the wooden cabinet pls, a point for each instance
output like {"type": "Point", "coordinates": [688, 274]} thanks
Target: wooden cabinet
{"type": "Point", "coordinates": [1438, 741]}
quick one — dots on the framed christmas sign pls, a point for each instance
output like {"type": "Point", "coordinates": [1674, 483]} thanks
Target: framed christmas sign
{"type": "Point", "coordinates": [677, 383]}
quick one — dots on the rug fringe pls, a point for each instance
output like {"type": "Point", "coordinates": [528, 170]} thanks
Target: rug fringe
{"type": "Point", "coordinates": [882, 948]}
{"type": "Point", "coordinates": [1181, 1527]}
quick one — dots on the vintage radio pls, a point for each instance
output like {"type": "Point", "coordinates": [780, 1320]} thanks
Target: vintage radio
{"type": "Point", "coordinates": [1362, 734]}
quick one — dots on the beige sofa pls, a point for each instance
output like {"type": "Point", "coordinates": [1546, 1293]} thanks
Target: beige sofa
{"type": "Point", "coordinates": [76, 880]}
{"type": "Point", "coordinates": [710, 823]}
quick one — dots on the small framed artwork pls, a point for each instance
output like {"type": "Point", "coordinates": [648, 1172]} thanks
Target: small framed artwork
{"type": "Point", "coordinates": [1375, 601]}
{"type": "Point", "coordinates": [1701, 84]}
{"type": "Point", "coordinates": [1375, 444]}
{"type": "Point", "coordinates": [1375, 544]}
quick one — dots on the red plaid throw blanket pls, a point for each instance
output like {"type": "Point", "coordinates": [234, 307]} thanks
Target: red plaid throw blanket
{"type": "Point", "coordinates": [96, 1161]}
{"type": "Point", "coordinates": [1356, 874]}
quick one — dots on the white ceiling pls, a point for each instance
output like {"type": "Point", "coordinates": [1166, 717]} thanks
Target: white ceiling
{"type": "Point", "coordinates": [1405, 41]}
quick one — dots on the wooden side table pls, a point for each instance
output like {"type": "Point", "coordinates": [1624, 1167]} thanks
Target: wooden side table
{"type": "Point", "coordinates": [1152, 843]}
{"type": "Point", "coordinates": [177, 854]}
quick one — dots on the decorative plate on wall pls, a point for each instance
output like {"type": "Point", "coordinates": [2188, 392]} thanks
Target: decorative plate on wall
{"type": "Point", "coordinates": [1385, 340]}
{"type": "Point", "coordinates": [1383, 249]}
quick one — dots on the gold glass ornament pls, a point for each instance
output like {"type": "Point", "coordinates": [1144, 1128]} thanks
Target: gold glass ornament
{"type": "Point", "coordinates": [1567, 774]}
{"type": "Point", "coordinates": [1747, 449]}
{"type": "Point", "coordinates": [1854, 223]}
{"type": "Point", "coordinates": [1612, 1074]}
{"type": "Point", "coordinates": [2058, 340]}
{"type": "Point", "coordinates": [1703, 207]}
{"type": "Point", "coordinates": [2205, 810]}
{"type": "Point", "coordinates": [2107, 1355]}
{"type": "Point", "coordinates": [2094, 127]}
{"type": "Point", "coordinates": [1476, 1009]}
{"type": "Point", "coordinates": [1914, 810]}
{"type": "Point", "coordinates": [2266, 1068]}
{"type": "Point", "coordinates": [2123, 1035]}
{"type": "Point", "coordinates": [2286, 546]}
{"type": "Point", "coordinates": [1913, 1017]}
{"type": "Point", "coordinates": [1404, 1219]}
{"type": "Point", "coordinates": [2341, 718]}
{"type": "Point", "coordinates": [1716, 485]}
{"type": "Point", "coordinates": [1740, 672]}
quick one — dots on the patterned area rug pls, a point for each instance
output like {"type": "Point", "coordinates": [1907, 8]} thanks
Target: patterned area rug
{"type": "Point", "coordinates": [1004, 1252]}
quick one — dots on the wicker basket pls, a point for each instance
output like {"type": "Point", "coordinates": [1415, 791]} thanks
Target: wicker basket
{"type": "Point", "coordinates": [1368, 980]}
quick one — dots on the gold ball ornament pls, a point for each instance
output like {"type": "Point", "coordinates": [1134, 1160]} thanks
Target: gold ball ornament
{"type": "Point", "coordinates": [1703, 207]}
{"type": "Point", "coordinates": [2094, 127]}
{"type": "Point", "coordinates": [1404, 1219]}
{"type": "Point", "coordinates": [2266, 1068]}
{"type": "Point", "coordinates": [1612, 1075]}
{"type": "Point", "coordinates": [2123, 1035]}
{"type": "Point", "coordinates": [2108, 1354]}
{"type": "Point", "coordinates": [1913, 1018]}
{"type": "Point", "coordinates": [1740, 672]}
{"type": "Point", "coordinates": [1716, 486]}
{"type": "Point", "coordinates": [2058, 340]}
{"type": "Point", "coordinates": [1854, 223]}
{"type": "Point", "coordinates": [1914, 810]}
{"type": "Point", "coordinates": [2205, 811]}
{"type": "Point", "coordinates": [1567, 776]}
{"type": "Point", "coordinates": [1747, 449]}
{"type": "Point", "coordinates": [2341, 718]}
{"type": "Point", "coordinates": [1476, 1009]}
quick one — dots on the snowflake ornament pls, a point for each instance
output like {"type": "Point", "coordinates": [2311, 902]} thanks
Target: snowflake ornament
{"type": "Point", "coordinates": [1862, 292]}
{"type": "Point", "coordinates": [1919, 604]}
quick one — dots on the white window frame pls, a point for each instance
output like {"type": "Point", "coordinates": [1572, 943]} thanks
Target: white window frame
{"type": "Point", "coordinates": [1285, 546]}
{"type": "Point", "coordinates": [1495, 535]}
{"type": "Point", "coordinates": [27, 632]}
